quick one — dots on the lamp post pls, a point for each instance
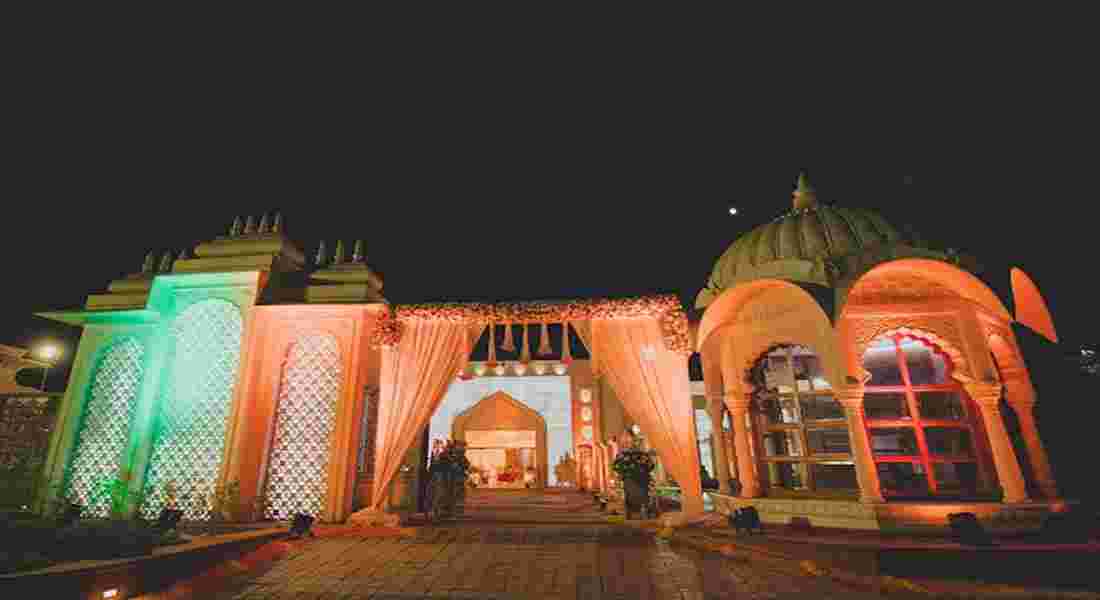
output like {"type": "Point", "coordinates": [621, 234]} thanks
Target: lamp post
{"type": "Point", "coordinates": [49, 353]}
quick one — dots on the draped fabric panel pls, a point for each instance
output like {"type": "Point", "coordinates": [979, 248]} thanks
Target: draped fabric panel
{"type": "Point", "coordinates": [415, 376]}
{"type": "Point", "coordinates": [653, 385]}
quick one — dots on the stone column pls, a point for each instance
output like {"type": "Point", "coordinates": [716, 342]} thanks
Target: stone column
{"type": "Point", "coordinates": [721, 465]}
{"type": "Point", "coordinates": [738, 405]}
{"type": "Point", "coordinates": [1021, 397]}
{"type": "Point", "coordinates": [988, 398]}
{"type": "Point", "coordinates": [851, 398]}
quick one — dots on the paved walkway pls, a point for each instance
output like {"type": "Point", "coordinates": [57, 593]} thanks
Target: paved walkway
{"type": "Point", "coordinates": [477, 559]}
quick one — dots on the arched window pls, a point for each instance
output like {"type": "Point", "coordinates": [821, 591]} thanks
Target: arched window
{"type": "Point", "coordinates": [919, 420]}
{"type": "Point", "coordinates": [104, 432]}
{"type": "Point", "coordinates": [194, 409]}
{"type": "Point", "coordinates": [297, 473]}
{"type": "Point", "coordinates": [801, 431]}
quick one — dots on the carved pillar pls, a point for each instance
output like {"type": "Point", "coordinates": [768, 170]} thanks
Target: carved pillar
{"type": "Point", "coordinates": [988, 398]}
{"type": "Point", "coordinates": [738, 405]}
{"type": "Point", "coordinates": [851, 398]}
{"type": "Point", "coordinates": [1021, 397]}
{"type": "Point", "coordinates": [721, 465]}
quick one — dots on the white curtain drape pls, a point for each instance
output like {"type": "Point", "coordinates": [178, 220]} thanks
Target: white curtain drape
{"type": "Point", "coordinates": [653, 385]}
{"type": "Point", "coordinates": [415, 376]}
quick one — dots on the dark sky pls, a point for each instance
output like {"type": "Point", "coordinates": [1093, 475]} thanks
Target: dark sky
{"type": "Point", "coordinates": [570, 176]}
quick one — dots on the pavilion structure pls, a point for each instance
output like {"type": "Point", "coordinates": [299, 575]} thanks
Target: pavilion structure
{"type": "Point", "coordinates": [864, 378]}
{"type": "Point", "coordinates": [854, 378]}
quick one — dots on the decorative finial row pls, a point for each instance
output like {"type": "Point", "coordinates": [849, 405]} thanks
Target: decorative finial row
{"type": "Point", "coordinates": [150, 266]}
{"type": "Point", "coordinates": [357, 255]}
{"type": "Point", "coordinates": [248, 226]}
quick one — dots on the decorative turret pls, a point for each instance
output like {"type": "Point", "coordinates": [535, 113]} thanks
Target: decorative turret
{"type": "Point", "coordinates": [165, 263]}
{"type": "Point", "coordinates": [322, 255]}
{"type": "Point", "coordinates": [804, 195]}
{"type": "Point", "coordinates": [342, 280]}
{"type": "Point", "coordinates": [235, 230]}
{"type": "Point", "coordinates": [265, 227]}
{"type": "Point", "coordinates": [184, 254]}
{"type": "Point", "coordinates": [250, 225]}
{"type": "Point", "coordinates": [277, 226]}
{"type": "Point", "coordinates": [150, 262]}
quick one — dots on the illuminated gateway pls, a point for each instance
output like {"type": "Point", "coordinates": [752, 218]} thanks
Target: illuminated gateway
{"type": "Point", "coordinates": [851, 378]}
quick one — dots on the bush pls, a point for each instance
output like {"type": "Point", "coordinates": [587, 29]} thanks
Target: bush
{"type": "Point", "coordinates": [35, 543]}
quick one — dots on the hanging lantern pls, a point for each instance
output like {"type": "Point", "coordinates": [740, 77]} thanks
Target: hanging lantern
{"type": "Point", "coordinates": [519, 368]}
{"type": "Point", "coordinates": [500, 370]}
{"type": "Point", "coordinates": [545, 349]}
{"type": "Point", "coordinates": [508, 345]}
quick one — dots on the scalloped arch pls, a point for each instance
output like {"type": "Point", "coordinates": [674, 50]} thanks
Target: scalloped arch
{"type": "Point", "coordinates": [958, 359]}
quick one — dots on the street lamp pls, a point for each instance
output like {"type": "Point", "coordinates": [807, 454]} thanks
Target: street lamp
{"type": "Point", "coordinates": [49, 353]}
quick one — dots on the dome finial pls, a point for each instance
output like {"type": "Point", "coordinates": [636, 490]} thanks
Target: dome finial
{"type": "Point", "coordinates": [804, 194]}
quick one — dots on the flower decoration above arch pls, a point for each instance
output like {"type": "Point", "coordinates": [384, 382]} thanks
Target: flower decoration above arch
{"type": "Point", "coordinates": [665, 308]}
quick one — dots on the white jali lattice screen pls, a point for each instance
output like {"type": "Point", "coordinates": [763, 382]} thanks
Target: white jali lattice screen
{"type": "Point", "coordinates": [194, 409]}
{"type": "Point", "coordinates": [105, 428]}
{"type": "Point", "coordinates": [297, 473]}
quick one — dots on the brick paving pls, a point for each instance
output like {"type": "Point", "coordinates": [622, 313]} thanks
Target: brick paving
{"type": "Point", "coordinates": [511, 561]}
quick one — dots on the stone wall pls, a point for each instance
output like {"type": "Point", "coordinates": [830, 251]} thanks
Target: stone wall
{"type": "Point", "coordinates": [25, 426]}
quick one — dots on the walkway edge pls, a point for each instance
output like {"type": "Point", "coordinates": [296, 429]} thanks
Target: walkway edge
{"type": "Point", "coordinates": [871, 583]}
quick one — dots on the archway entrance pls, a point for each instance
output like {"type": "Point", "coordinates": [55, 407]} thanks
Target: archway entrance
{"type": "Point", "coordinates": [506, 443]}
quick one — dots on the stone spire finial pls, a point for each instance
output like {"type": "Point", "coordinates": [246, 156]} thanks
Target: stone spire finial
{"type": "Point", "coordinates": [357, 253]}
{"type": "Point", "coordinates": [184, 254]}
{"type": "Point", "coordinates": [338, 257]}
{"type": "Point", "coordinates": [165, 263]}
{"type": "Point", "coordinates": [235, 230]}
{"type": "Point", "coordinates": [150, 262]}
{"type": "Point", "coordinates": [277, 226]}
{"type": "Point", "coordinates": [804, 195]}
{"type": "Point", "coordinates": [264, 225]}
{"type": "Point", "coordinates": [250, 225]}
{"type": "Point", "coordinates": [322, 254]}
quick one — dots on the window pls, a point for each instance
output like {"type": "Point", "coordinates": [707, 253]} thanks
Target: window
{"type": "Point", "coordinates": [802, 432]}
{"type": "Point", "coordinates": [919, 421]}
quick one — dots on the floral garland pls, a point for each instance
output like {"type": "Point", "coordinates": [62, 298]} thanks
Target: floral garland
{"type": "Point", "coordinates": [666, 308]}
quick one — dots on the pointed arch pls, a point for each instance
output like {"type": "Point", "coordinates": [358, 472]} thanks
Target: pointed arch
{"type": "Point", "coordinates": [921, 279]}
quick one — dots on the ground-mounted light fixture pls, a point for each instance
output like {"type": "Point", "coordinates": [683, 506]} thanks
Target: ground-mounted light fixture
{"type": "Point", "coordinates": [169, 519]}
{"type": "Point", "coordinates": [301, 526]}
{"type": "Point", "coordinates": [111, 593]}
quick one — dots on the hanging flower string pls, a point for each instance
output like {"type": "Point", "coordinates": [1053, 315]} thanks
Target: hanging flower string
{"type": "Point", "coordinates": [566, 352]}
{"type": "Point", "coordinates": [508, 345]}
{"type": "Point", "coordinates": [525, 355]}
{"type": "Point", "coordinates": [665, 308]}
{"type": "Point", "coordinates": [544, 341]}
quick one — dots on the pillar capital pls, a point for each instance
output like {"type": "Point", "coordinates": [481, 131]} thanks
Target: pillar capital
{"type": "Point", "coordinates": [849, 396]}
{"type": "Point", "coordinates": [985, 393]}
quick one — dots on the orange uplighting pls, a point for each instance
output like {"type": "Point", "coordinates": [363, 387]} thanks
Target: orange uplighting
{"type": "Point", "coordinates": [111, 593]}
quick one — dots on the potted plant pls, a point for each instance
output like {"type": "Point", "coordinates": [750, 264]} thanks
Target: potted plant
{"type": "Point", "coordinates": [634, 467]}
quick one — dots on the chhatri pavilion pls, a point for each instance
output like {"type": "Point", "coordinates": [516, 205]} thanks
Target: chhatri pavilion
{"type": "Point", "coordinates": [851, 378]}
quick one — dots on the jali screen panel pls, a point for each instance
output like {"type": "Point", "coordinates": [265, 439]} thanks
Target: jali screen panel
{"type": "Point", "coordinates": [194, 409]}
{"type": "Point", "coordinates": [104, 431]}
{"type": "Point", "coordinates": [297, 473]}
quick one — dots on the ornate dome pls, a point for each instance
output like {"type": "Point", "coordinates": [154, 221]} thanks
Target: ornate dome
{"type": "Point", "coordinates": [810, 243]}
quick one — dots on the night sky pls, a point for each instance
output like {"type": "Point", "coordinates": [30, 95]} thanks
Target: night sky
{"type": "Point", "coordinates": [536, 172]}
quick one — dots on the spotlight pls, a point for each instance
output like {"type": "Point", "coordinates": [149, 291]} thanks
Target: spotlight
{"type": "Point", "coordinates": [301, 526]}
{"type": "Point", "coordinates": [169, 519]}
